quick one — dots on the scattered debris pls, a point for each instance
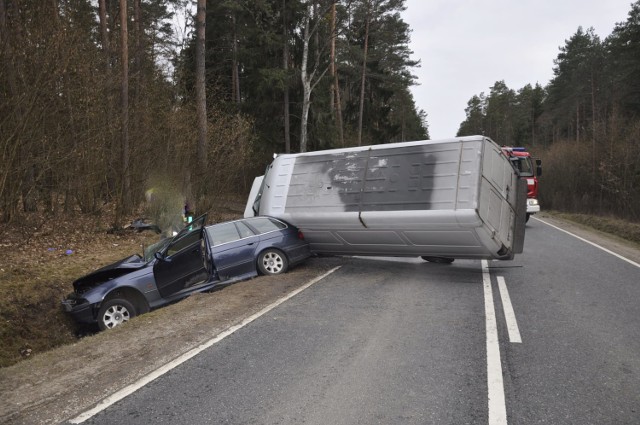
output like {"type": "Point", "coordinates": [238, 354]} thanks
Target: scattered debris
{"type": "Point", "coordinates": [140, 225]}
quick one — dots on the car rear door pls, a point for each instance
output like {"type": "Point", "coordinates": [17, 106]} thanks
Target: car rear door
{"type": "Point", "coordinates": [233, 249]}
{"type": "Point", "coordinates": [183, 261]}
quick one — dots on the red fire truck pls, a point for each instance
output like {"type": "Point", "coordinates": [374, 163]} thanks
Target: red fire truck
{"type": "Point", "coordinates": [524, 164]}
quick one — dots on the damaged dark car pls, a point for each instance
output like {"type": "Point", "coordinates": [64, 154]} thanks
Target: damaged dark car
{"type": "Point", "coordinates": [197, 259]}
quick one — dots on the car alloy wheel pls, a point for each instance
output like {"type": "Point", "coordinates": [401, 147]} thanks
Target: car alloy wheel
{"type": "Point", "coordinates": [272, 262]}
{"type": "Point", "coordinates": [114, 313]}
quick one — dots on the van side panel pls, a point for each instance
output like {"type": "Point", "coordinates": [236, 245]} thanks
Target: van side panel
{"type": "Point", "coordinates": [422, 177]}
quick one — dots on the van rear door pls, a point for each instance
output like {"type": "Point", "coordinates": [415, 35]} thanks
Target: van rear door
{"type": "Point", "coordinates": [252, 208]}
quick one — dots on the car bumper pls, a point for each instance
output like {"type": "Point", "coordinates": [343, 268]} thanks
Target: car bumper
{"type": "Point", "coordinates": [81, 313]}
{"type": "Point", "coordinates": [533, 206]}
{"type": "Point", "coordinates": [298, 253]}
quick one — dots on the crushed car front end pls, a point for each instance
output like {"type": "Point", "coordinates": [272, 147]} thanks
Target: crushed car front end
{"type": "Point", "coordinates": [90, 290]}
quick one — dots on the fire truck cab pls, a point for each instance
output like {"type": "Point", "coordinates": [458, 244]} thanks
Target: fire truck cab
{"type": "Point", "coordinates": [529, 169]}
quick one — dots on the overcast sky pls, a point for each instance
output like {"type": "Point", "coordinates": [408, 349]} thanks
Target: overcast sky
{"type": "Point", "coordinates": [465, 46]}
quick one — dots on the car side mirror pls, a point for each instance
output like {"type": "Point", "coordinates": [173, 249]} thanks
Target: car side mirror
{"type": "Point", "coordinates": [538, 167]}
{"type": "Point", "coordinates": [159, 256]}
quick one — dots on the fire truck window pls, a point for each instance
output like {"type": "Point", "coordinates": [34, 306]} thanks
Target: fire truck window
{"type": "Point", "coordinates": [525, 167]}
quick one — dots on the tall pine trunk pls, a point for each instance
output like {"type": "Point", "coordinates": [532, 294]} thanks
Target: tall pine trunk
{"type": "Point", "coordinates": [201, 96]}
{"type": "Point", "coordinates": [104, 33]}
{"type": "Point", "coordinates": [124, 105]}
{"type": "Point", "coordinates": [306, 82]}
{"type": "Point", "coordinates": [364, 73]}
{"type": "Point", "coordinates": [285, 67]}
{"type": "Point", "coordinates": [336, 103]}
{"type": "Point", "coordinates": [235, 74]}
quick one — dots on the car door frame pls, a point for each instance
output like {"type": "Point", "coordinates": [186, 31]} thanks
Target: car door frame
{"type": "Point", "coordinates": [236, 259]}
{"type": "Point", "coordinates": [178, 271]}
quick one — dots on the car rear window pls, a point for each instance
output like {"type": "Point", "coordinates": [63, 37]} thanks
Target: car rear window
{"type": "Point", "coordinates": [244, 230]}
{"type": "Point", "coordinates": [264, 225]}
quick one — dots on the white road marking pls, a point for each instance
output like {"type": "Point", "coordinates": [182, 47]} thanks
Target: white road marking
{"type": "Point", "coordinates": [509, 315]}
{"type": "Point", "coordinates": [590, 243]}
{"type": "Point", "coordinates": [119, 395]}
{"type": "Point", "coordinates": [495, 385]}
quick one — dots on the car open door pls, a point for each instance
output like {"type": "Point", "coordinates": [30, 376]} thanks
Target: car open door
{"type": "Point", "coordinates": [183, 263]}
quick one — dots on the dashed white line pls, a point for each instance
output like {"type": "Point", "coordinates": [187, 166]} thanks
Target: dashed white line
{"type": "Point", "coordinates": [497, 404]}
{"type": "Point", "coordinates": [119, 395]}
{"type": "Point", "coordinates": [509, 315]}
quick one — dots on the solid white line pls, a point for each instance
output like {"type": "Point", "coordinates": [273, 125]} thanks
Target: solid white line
{"type": "Point", "coordinates": [590, 243]}
{"type": "Point", "coordinates": [119, 395]}
{"type": "Point", "coordinates": [495, 385]}
{"type": "Point", "coordinates": [509, 315]}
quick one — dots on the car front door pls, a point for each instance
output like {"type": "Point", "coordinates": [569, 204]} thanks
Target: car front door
{"type": "Point", "coordinates": [182, 264]}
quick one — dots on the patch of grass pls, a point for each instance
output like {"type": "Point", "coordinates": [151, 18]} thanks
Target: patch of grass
{"type": "Point", "coordinates": [43, 255]}
{"type": "Point", "coordinates": [623, 229]}
{"type": "Point", "coordinates": [37, 272]}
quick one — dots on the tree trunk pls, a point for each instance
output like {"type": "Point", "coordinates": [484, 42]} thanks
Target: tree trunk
{"type": "Point", "coordinates": [336, 103]}
{"type": "Point", "coordinates": [364, 74]}
{"type": "Point", "coordinates": [578, 123]}
{"type": "Point", "coordinates": [285, 67]}
{"type": "Point", "coordinates": [235, 75]}
{"type": "Point", "coordinates": [306, 82]}
{"type": "Point", "coordinates": [137, 13]}
{"type": "Point", "coordinates": [104, 34]}
{"type": "Point", "coordinates": [124, 105]}
{"type": "Point", "coordinates": [332, 58]}
{"type": "Point", "coordinates": [7, 143]}
{"type": "Point", "coordinates": [201, 96]}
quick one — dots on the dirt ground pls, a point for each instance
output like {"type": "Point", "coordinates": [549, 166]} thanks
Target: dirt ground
{"type": "Point", "coordinates": [60, 384]}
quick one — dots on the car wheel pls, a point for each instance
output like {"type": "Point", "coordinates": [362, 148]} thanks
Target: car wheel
{"type": "Point", "coordinates": [439, 260]}
{"type": "Point", "coordinates": [272, 261]}
{"type": "Point", "coordinates": [526, 220]}
{"type": "Point", "coordinates": [115, 312]}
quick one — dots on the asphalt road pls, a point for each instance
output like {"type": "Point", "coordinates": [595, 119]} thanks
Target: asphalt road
{"type": "Point", "coordinates": [401, 341]}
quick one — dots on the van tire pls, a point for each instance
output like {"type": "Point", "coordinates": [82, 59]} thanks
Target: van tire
{"type": "Point", "coordinates": [438, 260]}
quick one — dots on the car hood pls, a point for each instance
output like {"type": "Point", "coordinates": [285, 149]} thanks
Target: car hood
{"type": "Point", "coordinates": [106, 273]}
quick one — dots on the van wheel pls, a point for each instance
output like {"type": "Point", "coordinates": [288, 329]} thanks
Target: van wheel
{"type": "Point", "coordinates": [438, 260]}
{"type": "Point", "coordinates": [115, 312]}
{"type": "Point", "coordinates": [272, 261]}
{"type": "Point", "coordinates": [526, 220]}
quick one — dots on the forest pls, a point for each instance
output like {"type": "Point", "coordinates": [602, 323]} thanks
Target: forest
{"type": "Point", "coordinates": [584, 124]}
{"type": "Point", "coordinates": [109, 101]}
{"type": "Point", "coordinates": [104, 102]}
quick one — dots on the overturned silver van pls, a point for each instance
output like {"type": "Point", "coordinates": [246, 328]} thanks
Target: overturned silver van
{"type": "Point", "coordinates": [443, 199]}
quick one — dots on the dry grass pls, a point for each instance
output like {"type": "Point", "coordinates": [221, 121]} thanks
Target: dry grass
{"type": "Point", "coordinates": [610, 225]}
{"type": "Point", "coordinates": [42, 255]}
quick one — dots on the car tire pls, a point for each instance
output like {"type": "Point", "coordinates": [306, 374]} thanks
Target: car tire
{"type": "Point", "coordinates": [526, 220]}
{"type": "Point", "coordinates": [438, 260]}
{"type": "Point", "coordinates": [115, 312]}
{"type": "Point", "coordinates": [272, 262]}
